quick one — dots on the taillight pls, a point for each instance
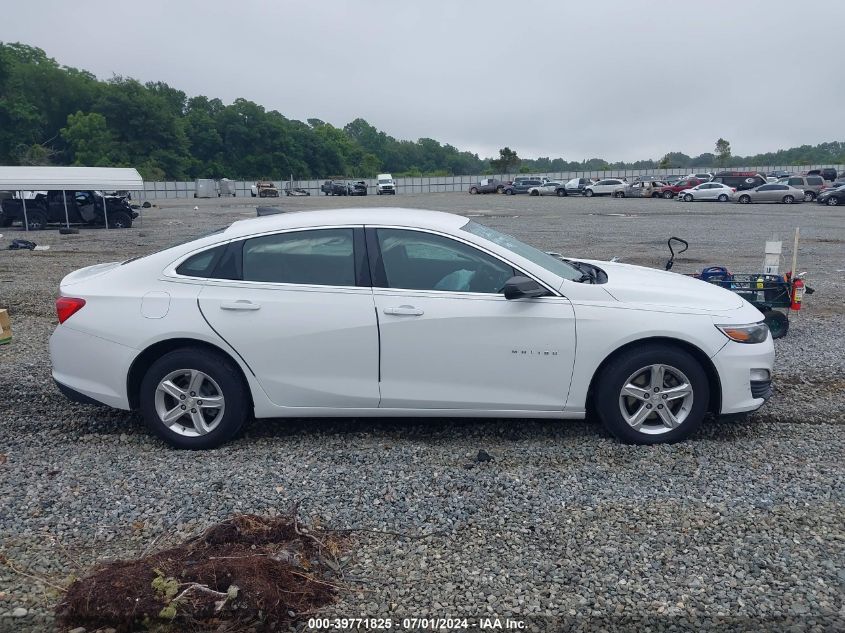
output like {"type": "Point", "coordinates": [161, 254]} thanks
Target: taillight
{"type": "Point", "coordinates": [66, 307]}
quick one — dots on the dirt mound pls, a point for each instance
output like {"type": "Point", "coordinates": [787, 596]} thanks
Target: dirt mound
{"type": "Point", "coordinates": [247, 570]}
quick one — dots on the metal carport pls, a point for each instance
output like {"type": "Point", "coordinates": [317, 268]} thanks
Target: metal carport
{"type": "Point", "coordinates": [64, 179]}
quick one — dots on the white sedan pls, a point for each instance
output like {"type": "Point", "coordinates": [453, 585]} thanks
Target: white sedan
{"type": "Point", "coordinates": [707, 191]}
{"type": "Point", "coordinates": [400, 312]}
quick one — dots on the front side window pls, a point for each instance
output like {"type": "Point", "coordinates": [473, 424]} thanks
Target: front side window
{"type": "Point", "coordinates": [415, 260]}
{"type": "Point", "coordinates": [323, 257]}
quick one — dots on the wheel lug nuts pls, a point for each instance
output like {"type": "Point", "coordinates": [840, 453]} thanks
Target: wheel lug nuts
{"type": "Point", "coordinates": [193, 410]}
{"type": "Point", "coordinates": [193, 393]}
{"type": "Point", "coordinates": [184, 407]}
{"type": "Point", "coordinates": [200, 402]}
{"type": "Point", "coordinates": [656, 389]}
{"type": "Point", "coordinates": [646, 395]}
{"type": "Point", "coordinates": [648, 406]}
{"type": "Point", "coordinates": [665, 396]}
{"type": "Point", "coordinates": [659, 406]}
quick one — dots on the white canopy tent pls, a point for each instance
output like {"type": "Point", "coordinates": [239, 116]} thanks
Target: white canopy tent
{"type": "Point", "coordinates": [69, 179]}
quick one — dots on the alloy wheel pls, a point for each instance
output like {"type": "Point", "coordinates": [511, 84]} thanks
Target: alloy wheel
{"type": "Point", "coordinates": [656, 399]}
{"type": "Point", "coordinates": [189, 402]}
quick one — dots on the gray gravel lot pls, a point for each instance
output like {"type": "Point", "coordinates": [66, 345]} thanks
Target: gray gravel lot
{"type": "Point", "coordinates": [737, 529]}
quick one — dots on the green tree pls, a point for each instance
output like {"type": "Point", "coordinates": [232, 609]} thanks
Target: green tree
{"type": "Point", "coordinates": [90, 141]}
{"type": "Point", "coordinates": [723, 152]}
{"type": "Point", "coordinates": [507, 162]}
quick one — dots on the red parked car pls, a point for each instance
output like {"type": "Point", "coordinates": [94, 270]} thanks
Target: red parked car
{"type": "Point", "coordinates": [670, 191]}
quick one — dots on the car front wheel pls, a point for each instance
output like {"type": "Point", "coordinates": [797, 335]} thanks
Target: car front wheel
{"type": "Point", "coordinates": [194, 398]}
{"type": "Point", "coordinates": [723, 198]}
{"type": "Point", "coordinates": [808, 196]}
{"type": "Point", "coordinates": [744, 199]}
{"type": "Point", "coordinates": [788, 199]}
{"type": "Point", "coordinates": [588, 193]}
{"type": "Point", "coordinates": [688, 198]}
{"type": "Point", "coordinates": [667, 195]}
{"type": "Point", "coordinates": [832, 201]}
{"type": "Point", "coordinates": [652, 395]}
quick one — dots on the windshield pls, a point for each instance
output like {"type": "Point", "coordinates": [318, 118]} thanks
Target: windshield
{"type": "Point", "coordinates": [536, 256]}
{"type": "Point", "coordinates": [384, 181]}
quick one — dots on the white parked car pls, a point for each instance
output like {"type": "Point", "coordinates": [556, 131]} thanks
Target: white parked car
{"type": "Point", "coordinates": [607, 187]}
{"type": "Point", "coordinates": [548, 188]}
{"type": "Point", "coordinates": [400, 312]}
{"type": "Point", "coordinates": [707, 191]}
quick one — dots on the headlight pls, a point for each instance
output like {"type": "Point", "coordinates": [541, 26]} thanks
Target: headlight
{"type": "Point", "coordinates": [751, 333]}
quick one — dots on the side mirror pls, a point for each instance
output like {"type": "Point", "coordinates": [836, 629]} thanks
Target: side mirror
{"type": "Point", "coordinates": [520, 287]}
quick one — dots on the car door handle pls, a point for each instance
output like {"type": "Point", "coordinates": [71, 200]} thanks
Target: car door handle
{"type": "Point", "coordinates": [240, 304]}
{"type": "Point", "coordinates": [404, 311]}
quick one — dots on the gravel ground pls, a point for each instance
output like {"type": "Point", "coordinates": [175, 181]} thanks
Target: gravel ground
{"type": "Point", "coordinates": [740, 528]}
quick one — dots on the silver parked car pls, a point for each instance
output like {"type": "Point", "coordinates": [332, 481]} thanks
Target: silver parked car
{"type": "Point", "coordinates": [548, 188]}
{"type": "Point", "coordinates": [772, 192]}
{"type": "Point", "coordinates": [810, 185]}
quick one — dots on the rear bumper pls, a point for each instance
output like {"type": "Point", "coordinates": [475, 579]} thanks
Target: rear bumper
{"type": "Point", "coordinates": [89, 367]}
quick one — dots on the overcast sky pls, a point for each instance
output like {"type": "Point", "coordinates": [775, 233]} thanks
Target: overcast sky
{"type": "Point", "coordinates": [620, 80]}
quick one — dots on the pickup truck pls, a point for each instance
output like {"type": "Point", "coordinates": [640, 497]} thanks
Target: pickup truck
{"type": "Point", "coordinates": [334, 188]}
{"type": "Point", "coordinates": [489, 185]}
{"type": "Point", "coordinates": [670, 191]}
{"type": "Point", "coordinates": [83, 207]}
{"type": "Point", "coordinates": [264, 189]}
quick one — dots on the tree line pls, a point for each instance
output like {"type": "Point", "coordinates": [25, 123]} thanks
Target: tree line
{"type": "Point", "coordinates": [52, 114]}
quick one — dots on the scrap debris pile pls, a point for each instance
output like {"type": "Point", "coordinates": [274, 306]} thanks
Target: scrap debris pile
{"type": "Point", "coordinates": [248, 570]}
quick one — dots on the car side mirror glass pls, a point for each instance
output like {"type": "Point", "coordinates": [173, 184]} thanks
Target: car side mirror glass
{"type": "Point", "coordinates": [520, 287]}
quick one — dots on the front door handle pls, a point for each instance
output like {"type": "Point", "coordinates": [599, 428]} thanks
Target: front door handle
{"type": "Point", "coordinates": [240, 304]}
{"type": "Point", "coordinates": [404, 311]}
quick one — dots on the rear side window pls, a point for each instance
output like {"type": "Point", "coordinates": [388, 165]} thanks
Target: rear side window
{"type": "Point", "coordinates": [202, 264]}
{"type": "Point", "coordinates": [795, 182]}
{"type": "Point", "coordinates": [814, 180]}
{"type": "Point", "coordinates": [322, 257]}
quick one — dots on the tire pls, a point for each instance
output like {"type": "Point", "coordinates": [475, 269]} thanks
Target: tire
{"type": "Point", "coordinates": [219, 376]}
{"type": "Point", "coordinates": [509, 191]}
{"type": "Point", "coordinates": [688, 197]}
{"type": "Point", "coordinates": [473, 190]}
{"type": "Point", "coordinates": [36, 219]}
{"type": "Point", "coordinates": [120, 220]}
{"type": "Point", "coordinates": [831, 202]}
{"type": "Point", "coordinates": [499, 189]}
{"type": "Point", "coordinates": [589, 193]}
{"type": "Point", "coordinates": [778, 323]}
{"type": "Point", "coordinates": [668, 195]}
{"type": "Point", "coordinates": [656, 194]}
{"type": "Point", "coordinates": [535, 193]}
{"type": "Point", "coordinates": [561, 193]}
{"type": "Point", "coordinates": [745, 199]}
{"type": "Point", "coordinates": [809, 196]}
{"type": "Point", "coordinates": [68, 231]}
{"type": "Point", "coordinates": [619, 194]}
{"type": "Point", "coordinates": [632, 367]}
{"type": "Point", "coordinates": [788, 199]}
{"type": "Point", "coordinates": [723, 198]}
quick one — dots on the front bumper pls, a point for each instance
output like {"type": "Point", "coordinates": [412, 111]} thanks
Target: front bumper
{"type": "Point", "coordinates": [735, 363]}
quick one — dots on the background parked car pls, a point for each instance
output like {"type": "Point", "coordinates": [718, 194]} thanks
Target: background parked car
{"type": "Point", "coordinates": [707, 191]}
{"type": "Point", "coordinates": [334, 188]}
{"type": "Point", "coordinates": [671, 190]}
{"type": "Point", "coordinates": [575, 187]}
{"type": "Point", "coordinates": [704, 176]}
{"type": "Point", "coordinates": [548, 188]}
{"type": "Point", "coordinates": [522, 186]}
{"type": "Point", "coordinates": [607, 187]}
{"type": "Point", "coordinates": [833, 196]}
{"type": "Point", "coordinates": [83, 207]}
{"type": "Point", "coordinates": [810, 185]}
{"type": "Point", "coordinates": [264, 189]}
{"type": "Point", "coordinates": [828, 173]}
{"type": "Point", "coordinates": [489, 185]}
{"type": "Point", "coordinates": [770, 193]}
{"type": "Point", "coordinates": [357, 188]}
{"type": "Point", "coordinates": [740, 180]}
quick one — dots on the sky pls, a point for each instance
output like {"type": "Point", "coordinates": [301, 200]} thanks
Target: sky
{"type": "Point", "coordinates": [617, 79]}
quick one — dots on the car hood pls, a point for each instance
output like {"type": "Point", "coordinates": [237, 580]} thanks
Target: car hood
{"type": "Point", "coordinates": [657, 289]}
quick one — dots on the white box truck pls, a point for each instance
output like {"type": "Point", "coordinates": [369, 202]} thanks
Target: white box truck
{"type": "Point", "coordinates": [226, 187]}
{"type": "Point", "coordinates": [205, 188]}
{"type": "Point", "coordinates": [385, 184]}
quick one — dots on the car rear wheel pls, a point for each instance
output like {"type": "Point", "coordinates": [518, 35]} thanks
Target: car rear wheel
{"type": "Point", "coordinates": [535, 193]}
{"type": "Point", "coordinates": [832, 201]}
{"type": "Point", "coordinates": [744, 199]}
{"type": "Point", "coordinates": [473, 190]}
{"type": "Point", "coordinates": [588, 193]}
{"type": "Point", "coordinates": [788, 199]}
{"type": "Point", "coordinates": [500, 189]}
{"type": "Point", "coordinates": [656, 194]}
{"type": "Point", "coordinates": [667, 195]}
{"type": "Point", "coordinates": [194, 398]}
{"type": "Point", "coordinates": [36, 219]}
{"type": "Point", "coordinates": [723, 198]}
{"type": "Point", "coordinates": [688, 198]}
{"type": "Point", "coordinates": [809, 196]}
{"type": "Point", "coordinates": [561, 193]}
{"type": "Point", "coordinates": [619, 194]}
{"type": "Point", "coordinates": [652, 395]}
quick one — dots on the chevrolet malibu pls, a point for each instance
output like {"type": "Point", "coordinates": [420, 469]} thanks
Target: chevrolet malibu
{"type": "Point", "coordinates": [399, 312]}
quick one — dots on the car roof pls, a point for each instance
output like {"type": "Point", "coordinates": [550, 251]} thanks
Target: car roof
{"type": "Point", "coordinates": [394, 216]}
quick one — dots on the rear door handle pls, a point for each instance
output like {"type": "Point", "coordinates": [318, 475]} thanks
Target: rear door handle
{"type": "Point", "coordinates": [404, 311]}
{"type": "Point", "coordinates": [240, 304]}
